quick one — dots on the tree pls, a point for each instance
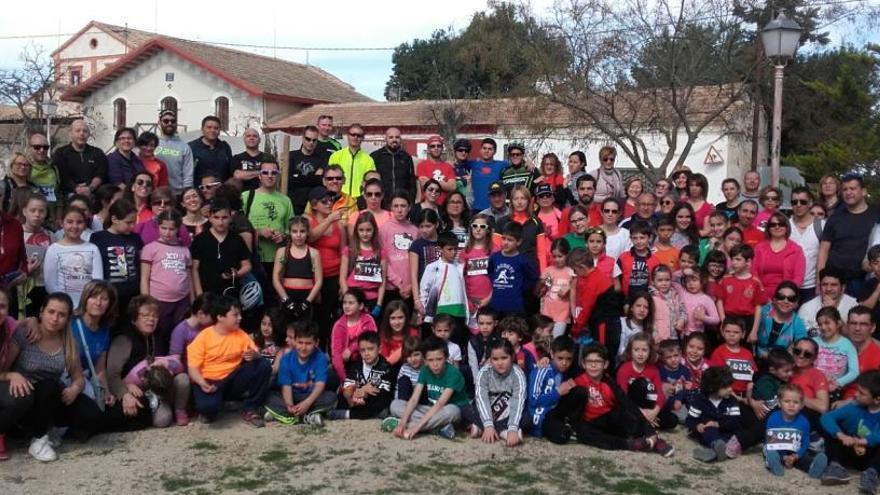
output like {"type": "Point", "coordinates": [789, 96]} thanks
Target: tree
{"type": "Point", "coordinates": [481, 61]}
{"type": "Point", "coordinates": [648, 77]}
{"type": "Point", "coordinates": [28, 86]}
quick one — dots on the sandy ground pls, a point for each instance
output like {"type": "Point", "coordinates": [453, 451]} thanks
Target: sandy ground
{"type": "Point", "coordinates": [356, 457]}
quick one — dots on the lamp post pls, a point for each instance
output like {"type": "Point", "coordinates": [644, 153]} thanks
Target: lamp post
{"type": "Point", "coordinates": [780, 38]}
{"type": "Point", "coordinates": [49, 109]}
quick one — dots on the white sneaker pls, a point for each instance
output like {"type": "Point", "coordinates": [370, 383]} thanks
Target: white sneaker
{"type": "Point", "coordinates": [314, 419]}
{"type": "Point", "coordinates": [41, 450]}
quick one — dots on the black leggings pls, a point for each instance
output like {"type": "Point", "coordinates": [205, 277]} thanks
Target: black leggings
{"type": "Point", "coordinates": [613, 430]}
{"type": "Point", "coordinates": [329, 309]}
{"type": "Point", "coordinates": [568, 410]}
{"type": "Point", "coordinates": [48, 410]}
{"type": "Point", "coordinates": [12, 409]}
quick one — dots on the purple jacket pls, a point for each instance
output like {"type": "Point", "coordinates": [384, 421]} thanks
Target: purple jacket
{"type": "Point", "coordinates": [122, 170]}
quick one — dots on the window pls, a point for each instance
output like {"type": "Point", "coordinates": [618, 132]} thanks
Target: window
{"type": "Point", "coordinates": [75, 76]}
{"type": "Point", "coordinates": [169, 103]}
{"type": "Point", "coordinates": [118, 113]}
{"type": "Point", "coordinates": [221, 110]}
{"type": "Point", "coordinates": [93, 43]}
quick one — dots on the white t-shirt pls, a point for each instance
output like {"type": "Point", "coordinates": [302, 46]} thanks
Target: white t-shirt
{"type": "Point", "coordinates": [454, 353]}
{"type": "Point", "coordinates": [808, 241]}
{"type": "Point", "coordinates": [810, 308]}
{"type": "Point", "coordinates": [618, 243]}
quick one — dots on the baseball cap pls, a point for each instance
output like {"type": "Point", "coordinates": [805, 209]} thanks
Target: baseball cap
{"type": "Point", "coordinates": [435, 139]}
{"type": "Point", "coordinates": [319, 192]}
{"type": "Point", "coordinates": [496, 187]}
{"type": "Point", "coordinates": [516, 146]}
{"type": "Point", "coordinates": [167, 112]}
{"type": "Point", "coordinates": [542, 189]}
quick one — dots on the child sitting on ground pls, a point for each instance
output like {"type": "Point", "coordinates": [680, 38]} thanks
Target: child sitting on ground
{"type": "Point", "coordinates": [714, 416]}
{"type": "Point", "coordinates": [639, 378]}
{"type": "Point", "coordinates": [344, 336]}
{"type": "Point", "coordinates": [610, 420]}
{"type": "Point", "coordinates": [408, 376]}
{"type": "Point", "coordinates": [366, 392]}
{"type": "Point", "coordinates": [555, 403]}
{"type": "Point", "coordinates": [764, 397]}
{"type": "Point", "coordinates": [733, 355]}
{"type": "Point", "coordinates": [444, 386]}
{"type": "Point", "coordinates": [678, 385]}
{"type": "Point", "coordinates": [787, 440]}
{"type": "Point", "coordinates": [852, 436]}
{"type": "Point", "coordinates": [501, 395]}
{"type": "Point", "coordinates": [302, 377]}
{"type": "Point", "coordinates": [695, 357]}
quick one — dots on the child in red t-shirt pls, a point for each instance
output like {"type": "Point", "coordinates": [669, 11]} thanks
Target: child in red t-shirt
{"type": "Point", "coordinates": [639, 378]}
{"type": "Point", "coordinates": [739, 359]}
{"type": "Point", "coordinates": [741, 294]}
{"type": "Point", "coordinates": [611, 421]}
{"type": "Point", "coordinates": [590, 283]}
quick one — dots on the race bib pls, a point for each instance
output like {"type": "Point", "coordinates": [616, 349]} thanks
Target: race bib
{"type": "Point", "coordinates": [367, 271]}
{"type": "Point", "coordinates": [787, 439]}
{"type": "Point", "coordinates": [741, 368]}
{"type": "Point", "coordinates": [478, 266]}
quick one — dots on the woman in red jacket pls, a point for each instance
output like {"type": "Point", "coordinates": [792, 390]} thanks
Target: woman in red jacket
{"type": "Point", "coordinates": [777, 258]}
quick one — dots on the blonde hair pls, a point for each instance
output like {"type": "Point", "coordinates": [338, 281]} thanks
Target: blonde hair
{"type": "Point", "coordinates": [15, 154]}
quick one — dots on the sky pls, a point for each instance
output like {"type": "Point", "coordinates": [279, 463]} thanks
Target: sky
{"type": "Point", "coordinates": [343, 23]}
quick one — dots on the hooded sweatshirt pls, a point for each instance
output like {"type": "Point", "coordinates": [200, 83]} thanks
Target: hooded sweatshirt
{"type": "Point", "coordinates": [501, 398]}
{"type": "Point", "coordinates": [345, 337]}
{"type": "Point", "coordinates": [771, 267]}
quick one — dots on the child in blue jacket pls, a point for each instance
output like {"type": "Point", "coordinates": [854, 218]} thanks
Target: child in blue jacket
{"type": "Point", "coordinates": [554, 401]}
{"type": "Point", "coordinates": [787, 440]}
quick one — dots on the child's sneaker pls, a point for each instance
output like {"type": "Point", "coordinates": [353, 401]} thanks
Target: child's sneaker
{"type": "Point", "coordinates": [733, 448]}
{"type": "Point", "coordinates": [639, 445]}
{"type": "Point", "coordinates": [314, 419]}
{"type": "Point", "coordinates": [720, 448]}
{"type": "Point", "coordinates": [447, 432]}
{"type": "Point", "coordinates": [390, 423]}
{"type": "Point", "coordinates": [474, 431]}
{"type": "Point", "coordinates": [338, 414]}
{"type": "Point", "coordinates": [253, 418]}
{"type": "Point", "coordinates": [817, 443]}
{"type": "Point", "coordinates": [4, 456]}
{"type": "Point", "coordinates": [868, 481]}
{"type": "Point", "coordinates": [181, 417]}
{"type": "Point", "coordinates": [835, 474]}
{"type": "Point", "coordinates": [817, 467]}
{"type": "Point", "coordinates": [41, 450]}
{"type": "Point", "coordinates": [705, 454]}
{"type": "Point", "coordinates": [773, 461]}
{"type": "Point", "coordinates": [663, 448]}
{"type": "Point", "coordinates": [273, 415]}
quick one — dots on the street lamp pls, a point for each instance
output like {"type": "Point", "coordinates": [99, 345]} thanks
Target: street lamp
{"type": "Point", "coordinates": [780, 38]}
{"type": "Point", "coordinates": [49, 109]}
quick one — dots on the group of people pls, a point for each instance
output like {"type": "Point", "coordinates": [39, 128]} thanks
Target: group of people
{"type": "Point", "coordinates": [494, 298]}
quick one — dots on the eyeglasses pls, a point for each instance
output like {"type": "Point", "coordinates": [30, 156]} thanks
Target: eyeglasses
{"type": "Point", "coordinates": [210, 185]}
{"type": "Point", "coordinates": [432, 190]}
{"type": "Point", "coordinates": [145, 182]}
{"type": "Point", "coordinates": [667, 202]}
{"type": "Point", "coordinates": [803, 353]}
{"type": "Point", "coordinates": [161, 202]}
{"type": "Point", "coordinates": [803, 202]}
{"type": "Point", "coordinates": [609, 159]}
{"type": "Point", "coordinates": [792, 298]}
{"type": "Point", "coordinates": [335, 178]}
{"type": "Point", "coordinates": [516, 153]}
{"type": "Point", "coordinates": [309, 140]}
{"type": "Point", "coordinates": [775, 225]}
{"type": "Point", "coordinates": [480, 226]}
{"type": "Point", "coordinates": [372, 195]}
{"type": "Point", "coordinates": [435, 146]}
{"type": "Point", "coordinates": [22, 164]}
{"type": "Point", "coordinates": [269, 173]}
{"type": "Point", "coordinates": [578, 219]}
{"type": "Point", "coordinates": [168, 121]}
{"type": "Point", "coordinates": [358, 135]}
{"type": "Point", "coordinates": [606, 210]}
{"type": "Point", "coordinates": [40, 146]}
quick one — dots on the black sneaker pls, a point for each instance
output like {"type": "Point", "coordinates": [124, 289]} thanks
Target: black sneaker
{"type": "Point", "coordinates": [868, 481]}
{"type": "Point", "coordinates": [835, 474]}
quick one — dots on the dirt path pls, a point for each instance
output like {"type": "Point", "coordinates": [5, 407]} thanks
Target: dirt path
{"type": "Point", "coordinates": [356, 457]}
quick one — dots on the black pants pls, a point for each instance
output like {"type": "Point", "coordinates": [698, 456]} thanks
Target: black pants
{"type": "Point", "coordinates": [81, 415]}
{"type": "Point", "coordinates": [116, 420]}
{"type": "Point", "coordinates": [12, 409]}
{"type": "Point", "coordinates": [568, 410]}
{"type": "Point", "coordinates": [846, 456]}
{"type": "Point", "coordinates": [372, 408]}
{"type": "Point", "coordinates": [613, 430]}
{"type": "Point", "coordinates": [328, 311]}
{"type": "Point", "coordinates": [638, 391]}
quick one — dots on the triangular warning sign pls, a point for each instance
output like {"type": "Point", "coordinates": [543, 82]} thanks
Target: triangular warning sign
{"type": "Point", "coordinates": [713, 157]}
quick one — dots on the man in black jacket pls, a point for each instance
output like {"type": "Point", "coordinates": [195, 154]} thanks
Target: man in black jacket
{"type": "Point", "coordinates": [211, 155]}
{"type": "Point", "coordinates": [81, 166]}
{"type": "Point", "coordinates": [395, 165]}
{"type": "Point", "coordinates": [307, 165]}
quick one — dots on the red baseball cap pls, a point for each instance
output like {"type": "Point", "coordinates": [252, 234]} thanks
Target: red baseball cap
{"type": "Point", "coordinates": [435, 140]}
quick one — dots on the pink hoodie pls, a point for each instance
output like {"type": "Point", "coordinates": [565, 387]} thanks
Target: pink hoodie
{"type": "Point", "coordinates": [345, 337]}
{"type": "Point", "coordinates": [772, 268]}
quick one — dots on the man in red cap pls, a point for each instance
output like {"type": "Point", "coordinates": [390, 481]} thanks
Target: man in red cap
{"type": "Point", "coordinates": [435, 168]}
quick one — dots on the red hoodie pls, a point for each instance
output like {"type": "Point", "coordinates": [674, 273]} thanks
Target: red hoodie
{"type": "Point", "coordinates": [587, 292]}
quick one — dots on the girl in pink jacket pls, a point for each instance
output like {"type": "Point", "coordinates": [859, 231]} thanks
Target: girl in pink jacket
{"type": "Point", "coordinates": [344, 337]}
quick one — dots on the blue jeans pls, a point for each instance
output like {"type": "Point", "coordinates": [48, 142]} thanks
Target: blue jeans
{"type": "Point", "coordinates": [250, 383]}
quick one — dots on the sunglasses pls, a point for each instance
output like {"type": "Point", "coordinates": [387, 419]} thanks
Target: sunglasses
{"type": "Point", "coordinates": [309, 140]}
{"type": "Point", "coordinates": [771, 198]}
{"type": "Point", "coordinates": [372, 195]}
{"type": "Point", "coordinates": [168, 121]}
{"type": "Point", "coordinates": [606, 210]}
{"type": "Point", "coordinates": [269, 173]}
{"type": "Point", "coordinates": [803, 202]}
{"type": "Point", "coordinates": [336, 178]}
{"type": "Point", "coordinates": [774, 225]}
{"type": "Point", "coordinates": [210, 185]}
{"type": "Point", "coordinates": [40, 146]}
{"type": "Point", "coordinates": [804, 353]}
{"type": "Point", "coordinates": [667, 202]}
{"type": "Point", "coordinates": [545, 196]}
{"type": "Point", "coordinates": [516, 154]}
{"type": "Point", "coordinates": [356, 134]}
{"type": "Point", "coordinates": [432, 190]}
{"type": "Point", "coordinates": [144, 182]}
{"type": "Point", "coordinates": [480, 226]}
{"type": "Point", "coordinates": [578, 220]}
{"type": "Point", "coordinates": [791, 299]}
{"type": "Point", "coordinates": [435, 146]}
{"type": "Point", "coordinates": [22, 164]}
{"type": "Point", "coordinates": [461, 151]}
{"type": "Point", "coordinates": [327, 200]}
{"type": "Point", "coordinates": [161, 202]}
{"type": "Point", "coordinates": [609, 159]}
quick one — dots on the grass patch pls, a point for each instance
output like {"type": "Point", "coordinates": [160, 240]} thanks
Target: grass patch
{"type": "Point", "coordinates": [175, 483]}
{"type": "Point", "coordinates": [340, 452]}
{"type": "Point", "coordinates": [208, 446]}
{"type": "Point", "coordinates": [274, 456]}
